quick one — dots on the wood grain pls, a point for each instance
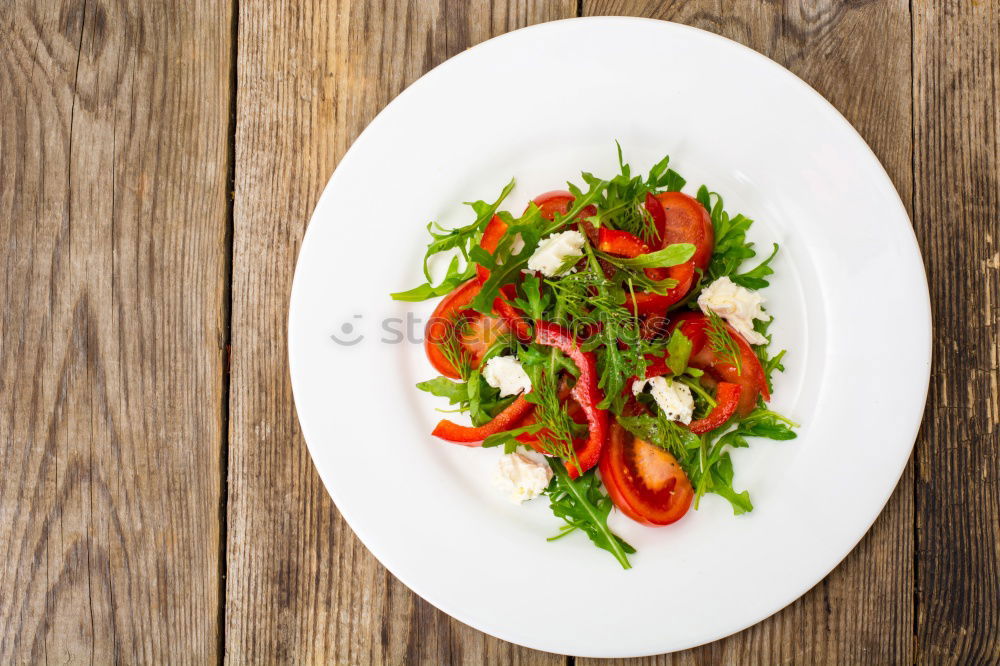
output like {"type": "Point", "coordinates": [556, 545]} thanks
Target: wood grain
{"type": "Point", "coordinates": [115, 149]}
{"type": "Point", "coordinates": [956, 57]}
{"type": "Point", "coordinates": [311, 75]}
{"type": "Point", "coordinates": [113, 126]}
{"type": "Point", "coordinates": [857, 56]}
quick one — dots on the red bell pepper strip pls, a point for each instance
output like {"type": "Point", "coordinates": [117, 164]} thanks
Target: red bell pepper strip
{"type": "Point", "coordinates": [508, 419]}
{"type": "Point", "coordinates": [750, 375]}
{"type": "Point", "coordinates": [585, 392]}
{"type": "Point", "coordinates": [727, 397]}
{"type": "Point", "coordinates": [491, 238]}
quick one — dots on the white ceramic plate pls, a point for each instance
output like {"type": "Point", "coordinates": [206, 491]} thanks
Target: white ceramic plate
{"type": "Point", "coordinates": [542, 104]}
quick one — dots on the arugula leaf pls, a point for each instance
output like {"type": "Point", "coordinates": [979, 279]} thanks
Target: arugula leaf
{"type": "Point", "coordinates": [508, 438]}
{"type": "Point", "coordinates": [758, 423]}
{"type": "Point", "coordinates": [505, 265]}
{"type": "Point", "coordinates": [754, 278]}
{"type": "Point", "coordinates": [474, 388]}
{"type": "Point", "coordinates": [678, 352]}
{"type": "Point", "coordinates": [769, 363]}
{"type": "Point", "coordinates": [454, 277]}
{"type": "Point", "coordinates": [722, 484]}
{"type": "Point", "coordinates": [583, 506]}
{"type": "Point", "coordinates": [534, 302]}
{"type": "Point", "coordinates": [671, 255]}
{"type": "Point", "coordinates": [662, 178]}
{"type": "Point", "coordinates": [731, 246]}
{"type": "Point", "coordinates": [456, 392]}
{"type": "Point", "coordinates": [462, 238]}
{"type": "Point", "coordinates": [662, 432]}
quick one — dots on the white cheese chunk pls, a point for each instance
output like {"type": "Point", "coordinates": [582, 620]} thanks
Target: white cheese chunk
{"type": "Point", "coordinates": [522, 476]}
{"type": "Point", "coordinates": [673, 398]}
{"type": "Point", "coordinates": [505, 373]}
{"type": "Point", "coordinates": [554, 250]}
{"type": "Point", "coordinates": [738, 305]}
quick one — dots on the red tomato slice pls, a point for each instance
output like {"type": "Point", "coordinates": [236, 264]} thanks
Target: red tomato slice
{"type": "Point", "coordinates": [645, 482]}
{"type": "Point", "coordinates": [556, 201]}
{"type": "Point", "coordinates": [750, 376]}
{"type": "Point", "coordinates": [479, 334]}
{"type": "Point", "coordinates": [687, 221]}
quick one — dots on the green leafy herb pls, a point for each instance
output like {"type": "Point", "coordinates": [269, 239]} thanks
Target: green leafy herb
{"type": "Point", "coordinates": [504, 264]}
{"type": "Point", "coordinates": [721, 483]}
{"type": "Point", "coordinates": [451, 346]}
{"type": "Point", "coordinates": [662, 178]}
{"type": "Point", "coordinates": [722, 343]}
{"type": "Point", "coordinates": [731, 246]}
{"type": "Point", "coordinates": [671, 255]}
{"type": "Point", "coordinates": [662, 432]}
{"type": "Point", "coordinates": [556, 433]}
{"type": "Point", "coordinates": [759, 423]}
{"type": "Point", "coordinates": [463, 239]}
{"type": "Point", "coordinates": [754, 278]}
{"type": "Point", "coordinates": [534, 301]}
{"type": "Point", "coordinates": [456, 392]}
{"type": "Point", "coordinates": [770, 364]}
{"type": "Point", "coordinates": [678, 352]}
{"type": "Point", "coordinates": [583, 506]}
{"type": "Point", "coordinates": [621, 204]}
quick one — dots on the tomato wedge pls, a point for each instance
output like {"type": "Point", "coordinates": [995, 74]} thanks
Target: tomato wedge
{"type": "Point", "coordinates": [556, 201]}
{"type": "Point", "coordinates": [645, 482]}
{"type": "Point", "coordinates": [749, 376]}
{"type": "Point", "coordinates": [478, 334]}
{"type": "Point", "coordinates": [509, 418]}
{"type": "Point", "coordinates": [687, 221]}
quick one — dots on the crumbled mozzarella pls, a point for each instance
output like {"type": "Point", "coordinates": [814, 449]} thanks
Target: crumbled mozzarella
{"type": "Point", "coordinates": [673, 398]}
{"type": "Point", "coordinates": [738, 305]}
{"type": "Point", "coordinates": [522, 476]}
{"type": "Point", "coordinates": [554, 250]}
{"type": "Point", "coordinates": [505, 373]}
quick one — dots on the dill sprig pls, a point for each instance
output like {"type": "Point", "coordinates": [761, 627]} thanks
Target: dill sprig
{"type": "Point", "coordinates": [451, 346]}
{"type": "Point", "coordinates": [556, 434]}
{"type": "Point", "coordinates": [722, 343]}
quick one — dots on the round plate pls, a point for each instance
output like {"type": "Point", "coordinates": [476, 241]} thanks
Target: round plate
{"type": "Point", "coordinates": [542, 104]}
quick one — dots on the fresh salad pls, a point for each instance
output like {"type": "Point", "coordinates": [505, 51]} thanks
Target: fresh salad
{"type": "Point", "coordinates": [612, 340]}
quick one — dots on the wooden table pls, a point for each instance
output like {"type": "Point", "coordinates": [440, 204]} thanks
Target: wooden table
{"type": "Point", "coordinates": [159, 161]}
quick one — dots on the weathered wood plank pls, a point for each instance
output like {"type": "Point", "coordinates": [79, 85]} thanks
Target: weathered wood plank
{"type": "Point", "coordinates": [858, 56]}
{"type": "Point", "coordinates": [956, 55]}
{"type": "Point", "coordinates": [113, 214]}
{"type": "Point", "coordinates": [311, 75]}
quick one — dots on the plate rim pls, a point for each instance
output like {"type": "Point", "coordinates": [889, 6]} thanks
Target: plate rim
{"type": "Point", "coordinates": [925, 315]}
